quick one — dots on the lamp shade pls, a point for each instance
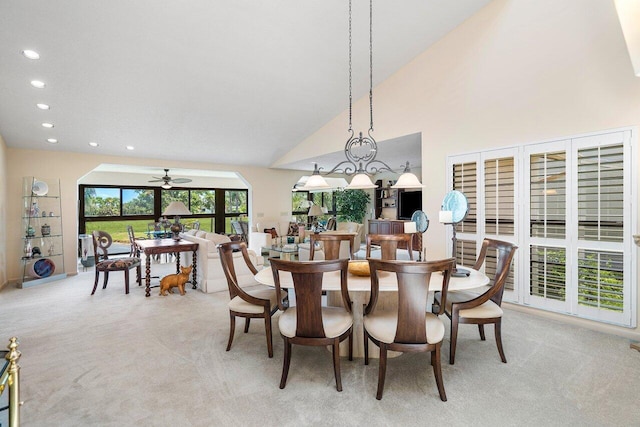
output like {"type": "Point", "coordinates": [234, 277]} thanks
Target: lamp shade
{"type": "Point", "coordinates": [361, 181]}
{"type": "Point", "coordinates": [176, 208]}
{"type": "Point", "coordinates": [407, 179]}
{"type": "Point", "coordinates": [315, 182]}
{"type": "Point", "coordinates": [315, 210]}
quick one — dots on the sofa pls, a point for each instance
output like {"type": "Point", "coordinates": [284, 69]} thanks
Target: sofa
{"type": "Point", "coordinates": [342, 227]}
{"type": "Point", "coordinates": [210, 276]}
{"type": "Point", "coordinates": [277, 235]}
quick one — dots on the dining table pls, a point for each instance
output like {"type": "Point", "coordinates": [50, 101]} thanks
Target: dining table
{"type": "Point", "coordinates": [359, 292]}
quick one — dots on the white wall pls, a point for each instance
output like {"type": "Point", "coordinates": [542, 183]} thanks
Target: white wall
{"type": "Point", "coordinates": [3, 213]}
{"type": "Point", "coordinates": [518, 71]}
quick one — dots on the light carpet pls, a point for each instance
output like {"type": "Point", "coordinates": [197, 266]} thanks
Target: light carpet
{"type": "Point", "coordinates": [122, 360]}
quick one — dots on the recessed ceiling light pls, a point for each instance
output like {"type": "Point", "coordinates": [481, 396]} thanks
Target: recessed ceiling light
{"type": "Point", "coordinates": [52, 140]}
{"type": "Point", "coordinates": [130, 147]}
{"type": "Point", "coordinates": [43, 106]}
{"type": "Point", "coordinates": [47, 125]}
{"type": "Point", "coordinates": [93, 144]}
{"type": "Point", "coordinates": [31, 54]}
{"type": "Point", "coordinates": [37, 84]}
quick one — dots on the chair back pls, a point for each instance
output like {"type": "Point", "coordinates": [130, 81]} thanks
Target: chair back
{"type": "Point", "coordinates": [195, 225]}
{"type": "Point", "coordinates": [226, 251]}
{"type": "Point", "coordinates": [307, 283]}
{"type": "Point", "coordinates": [389, 244]}
{"type": "Point", "coordinates": [134, 252]}
{"type": "Point", "coordinates": [331, 224]}
{"type": "Point", "coordinates": [101, 241]}
{"type": "Point", "coordinates": [505, 252]}
{"type": "Point", "coordinates": [413, 289]}
{"type": "Point", "coordinates": [331, 244]}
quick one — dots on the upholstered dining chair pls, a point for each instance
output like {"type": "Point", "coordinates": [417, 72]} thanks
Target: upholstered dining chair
{"type": "Point", "coordinates": [480, 308]}
{"type": "Point", "coordinates": [101, 243]}
{"type": "Point", "coordinates": [330, 243]}
{"type": "Point", "coordinates": [409, 328]}
{"type": "Point", "coordinates": [389, 244]}
{"type": "Point", "coordinates": [261, 302]}
{"type": "Point", "coordinates": [308, 322]}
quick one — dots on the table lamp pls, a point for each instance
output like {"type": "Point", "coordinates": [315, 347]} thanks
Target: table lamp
{"type": "Point", "coordinates": [176, 209]}
{"type": "Point", "coordinates": [314, 211]}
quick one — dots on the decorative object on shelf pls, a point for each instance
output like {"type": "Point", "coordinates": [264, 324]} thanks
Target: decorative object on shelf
{"type": "Point", "coordinates": [176, 209]}
{"type": "Point", "coordinates": [45, 229]}
{"type": "Point", "coordinates": [44, 267]}
{"type": "Point", "coordinates": [31, 232]}
{"type": "Point", "coordinates": [27, 249]}
{"type": "Point", "coordinates": [36, 252]}
{"type": "Point", "coordinates": [455, 208]}
{"type": "Point", "coordinates": [34, 210]}
{"type": "Point", "coordinates": [44, 213]}
{"type": "Point", "coordinates": [40, 188]}
{"type": "Point", "coordinates": [51, 249]}
{"type": "Point", "coordinates": [51, 213]}
{"type": "Point", "coordinates": [360, 150]}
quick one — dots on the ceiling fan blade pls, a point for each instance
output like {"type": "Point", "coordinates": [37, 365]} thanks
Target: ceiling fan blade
{"type": "Point", "coordinates": [180, 180]}
{"type": "Point", "coordinates": [156, 180]}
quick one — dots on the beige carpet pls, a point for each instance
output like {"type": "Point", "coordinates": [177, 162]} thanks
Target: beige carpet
{"type": "Point", "coordinates": [122, 360]}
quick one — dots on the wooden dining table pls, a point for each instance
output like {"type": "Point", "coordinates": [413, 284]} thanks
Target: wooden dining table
{"type": "Point", "coordinates": [359, 291]}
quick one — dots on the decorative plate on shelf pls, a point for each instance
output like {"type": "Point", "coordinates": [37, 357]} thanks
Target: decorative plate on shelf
{"type": "Point", "coordinates": [40, 188]}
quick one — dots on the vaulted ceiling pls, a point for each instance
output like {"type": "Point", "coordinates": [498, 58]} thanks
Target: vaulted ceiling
{"type": "Point", "coordinates": [238, 82]}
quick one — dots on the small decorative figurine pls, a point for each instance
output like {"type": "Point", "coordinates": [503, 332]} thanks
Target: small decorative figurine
{"type": "Point", "coordinates": [45, 230]}
{"type": "Point", "coordinates": [175, 280]}
{"type": "Point", "coordinates": [44, 213]}
{"type": "Point", "coordinates": [31, 232]}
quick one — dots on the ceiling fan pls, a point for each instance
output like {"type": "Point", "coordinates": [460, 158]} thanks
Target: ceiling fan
{"type": "Point", "coordinates": [167, 181]}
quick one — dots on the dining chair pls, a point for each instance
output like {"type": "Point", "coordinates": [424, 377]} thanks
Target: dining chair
{"type": "Point", "coordinates": [261, 302]}
{"type": "Point", "coordinates": [135, 250]}
{"type": "Point", "coordinates": [389, 244]}
{"type": "Point", "coordinates": [308, 322]}
{"type": "Point", "coordinates": [330, 244]}
{"type": "Point", "coordinates": [480, 308]}
{"type": "Point", "coordinates": [101, 242]}
{"type": "Point", "coordinates": [407, 328]}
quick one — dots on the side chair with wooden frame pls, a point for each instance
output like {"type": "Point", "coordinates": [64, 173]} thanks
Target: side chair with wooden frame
{"type": "Point", "coordinates": [262, 302]}
{"type": "Point", "coordinates": [331, 244]}
{"type": "Point", "coordinates": [410, 328]}
{"type": "Point", "coordinates": [389, 244]}
{"type": "Point", "coordinates": [480, 309]}
{"type": "Point", "coordinates": [308, 322]}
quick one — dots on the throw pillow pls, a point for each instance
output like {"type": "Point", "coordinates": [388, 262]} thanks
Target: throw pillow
{"type": "Point", "coordinates": [271, 231]}
{"type": "Point", "coordinates": [293, 229]}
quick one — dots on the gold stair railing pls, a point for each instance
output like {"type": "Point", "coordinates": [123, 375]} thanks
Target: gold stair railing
{"type": "Point", "coordinates": [10, 378]}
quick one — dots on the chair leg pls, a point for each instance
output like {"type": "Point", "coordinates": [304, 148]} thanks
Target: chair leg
{"type": "Point", "coordinates": [382, 370]}
{"type": "Point", "coordinates": [105, 280]}
{"type": "Point", "coordinates": [267, 327]}
{"type": "Point", "coordinates": [95, 283]}
{"type": "Point", "coordinates": [498, 333]}
{"type": "Point", "coordinates": [232, 329]}
{"type": "Point", "coordinates": [351, 345]}
{"type": "Point", "coordinates": [336, 364]}
{"type": "Point", "coordinates": [366, 347]}
{"type": "Point", "coordinates": [126, 281]}
{"type": "Point", "coordinates": [247, 320]}
{"type": "Point", "coordinates": [481, 330]}
{"type": "Point", "coordinates": [286, 363]}
{"type": "Point", "coordinates": [453, 338]}
{"type": "Point", "coordinates": [437, 372]}
{"type": "Point", "coordinates": [139, 275]}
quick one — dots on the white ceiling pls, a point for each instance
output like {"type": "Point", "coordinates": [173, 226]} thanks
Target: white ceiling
{"type": "Point", "coordinates": [232, 82]}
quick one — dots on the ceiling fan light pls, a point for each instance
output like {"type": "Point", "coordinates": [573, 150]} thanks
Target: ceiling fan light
{"type": "Point", "coordinates": [166, 186]}
{"type": "Point", "coordinates": [360, 181]}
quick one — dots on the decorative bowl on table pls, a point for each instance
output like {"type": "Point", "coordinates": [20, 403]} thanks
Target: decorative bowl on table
{"type": "Point", "coordinates": [359, 268]}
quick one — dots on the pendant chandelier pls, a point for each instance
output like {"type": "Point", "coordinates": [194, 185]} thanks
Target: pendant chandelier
{"type": "Point", "coordinates": [361, 150]}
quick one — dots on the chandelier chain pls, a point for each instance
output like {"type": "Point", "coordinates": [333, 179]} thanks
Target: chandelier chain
{"type": "Point", "coordinates": [350, 98]}
{"type": "Point", "coordinates": [371, 64]}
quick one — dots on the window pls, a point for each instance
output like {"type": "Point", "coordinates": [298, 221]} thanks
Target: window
{"type": "Point", "coordinates": [137, 202]}
{"type": "Point", "coordinates": [573, 225]}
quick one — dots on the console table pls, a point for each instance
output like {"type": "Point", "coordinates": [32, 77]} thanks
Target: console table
{"type": "Point", "coordinates": [167, 246]}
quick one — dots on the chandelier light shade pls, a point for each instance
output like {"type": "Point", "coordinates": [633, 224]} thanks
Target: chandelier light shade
{"type": "Point", "coordinates": [361, 150]}
{"type": "Point", "coordinates": [408, 179]}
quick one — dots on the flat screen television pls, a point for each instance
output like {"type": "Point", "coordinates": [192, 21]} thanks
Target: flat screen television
{"type": "Point", "coordinates": [408, 203]}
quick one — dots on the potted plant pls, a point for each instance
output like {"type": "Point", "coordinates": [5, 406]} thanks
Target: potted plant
{"type": "Point", "coordinates": [351, 205]}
